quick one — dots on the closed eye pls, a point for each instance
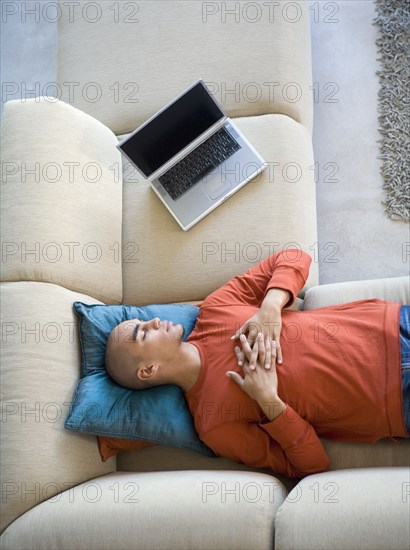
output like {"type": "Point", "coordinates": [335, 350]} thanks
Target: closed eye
{"type": "Point", "coordinates": [137, 330]}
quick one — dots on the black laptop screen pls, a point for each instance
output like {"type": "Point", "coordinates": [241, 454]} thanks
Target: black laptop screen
{"type": "Point", "coordinates": [172, 130]}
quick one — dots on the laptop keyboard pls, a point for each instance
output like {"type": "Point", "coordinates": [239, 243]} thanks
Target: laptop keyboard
{"type": "Point", "coordinates": [207, 156]}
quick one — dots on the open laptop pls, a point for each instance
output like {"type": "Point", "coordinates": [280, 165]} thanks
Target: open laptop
{"type": "Point", "coordinates": [193, 155]}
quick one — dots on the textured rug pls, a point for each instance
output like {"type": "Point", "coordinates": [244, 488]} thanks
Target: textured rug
{"type": "Point", "coordinates": [393, 44]}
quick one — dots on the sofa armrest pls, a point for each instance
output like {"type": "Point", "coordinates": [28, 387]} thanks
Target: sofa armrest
{"type": "Point", "coordinates": [393, 289]}
{"type": "Point", "coordinates": [61, 207]}
{"type": "Point", "coordinates": [198, 509]}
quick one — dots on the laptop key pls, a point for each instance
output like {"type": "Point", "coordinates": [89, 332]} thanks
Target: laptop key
{"type": "Point", "coordinates": [192, 168]}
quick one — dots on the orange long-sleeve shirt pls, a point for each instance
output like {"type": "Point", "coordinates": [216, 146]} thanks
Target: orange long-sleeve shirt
{"type": "Point", "coordinates": [340, 377]}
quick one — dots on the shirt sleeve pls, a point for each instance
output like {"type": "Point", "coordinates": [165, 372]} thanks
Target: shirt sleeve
{"type": "Point", "coordinates": [287, 446]}
{"type": "Point", "coordinates": [288, 269]}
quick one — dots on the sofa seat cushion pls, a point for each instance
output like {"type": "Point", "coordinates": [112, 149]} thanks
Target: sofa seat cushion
{"type": "Point", "coordinates": [61, 199]}
{"type": "Point", "coordinates": [122, 62]}
{"type": "Point", "coordinates": [163, 510]}
{"type": "Point", "coordinates": [40, 366]}
{"type": "Point", "coordinates": [366, 508]}
{"type": "Point", "coordinates": [277, 209]}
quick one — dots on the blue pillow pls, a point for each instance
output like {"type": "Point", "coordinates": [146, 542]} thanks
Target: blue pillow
{"type": "Point", "coordinates": [102, 407]}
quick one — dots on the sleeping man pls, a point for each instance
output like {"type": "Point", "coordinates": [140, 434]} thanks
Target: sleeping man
{"type": "Point", "coordinates": [339, 372]}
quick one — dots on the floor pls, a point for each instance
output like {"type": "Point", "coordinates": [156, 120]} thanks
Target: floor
{"type": "Point", "coordinates": [352, 226]}
{"type": "Point", "coordinates": [355, 238]}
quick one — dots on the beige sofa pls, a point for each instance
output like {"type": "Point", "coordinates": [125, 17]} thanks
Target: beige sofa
{"type": "Point", "coordinates": [76, 225]}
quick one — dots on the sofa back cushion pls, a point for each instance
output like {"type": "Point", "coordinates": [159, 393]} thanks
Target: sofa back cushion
{"type": "Point", "coordinates": [277, 209]}
{"type": "Point", "coordinates": [123, 61]}
{"type": "Point", "coordinates": [61, 206]}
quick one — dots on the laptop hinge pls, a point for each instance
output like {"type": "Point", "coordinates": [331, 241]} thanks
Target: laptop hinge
{"type": "Point", "coordinates": [203, 137]}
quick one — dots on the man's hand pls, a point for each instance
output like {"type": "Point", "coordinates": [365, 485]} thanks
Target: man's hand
{"type": "Point", "coordinates": [259, 383]}
{"type": "Point", "coordinates": [268, 321]}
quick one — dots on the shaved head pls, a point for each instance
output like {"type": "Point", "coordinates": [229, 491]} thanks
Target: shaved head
{"type": "Point", "coordinates": [142, 354]}
{"type": "Point", "coordinates": [121, 365]}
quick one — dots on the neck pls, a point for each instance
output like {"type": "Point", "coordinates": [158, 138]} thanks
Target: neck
{"type": "Point", "coordinates": [187, 367]}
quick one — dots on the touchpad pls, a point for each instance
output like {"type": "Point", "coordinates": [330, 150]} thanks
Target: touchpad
{"type": "Point", "coordinates": [215, 188]}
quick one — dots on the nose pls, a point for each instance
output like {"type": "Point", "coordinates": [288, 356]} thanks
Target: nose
{"type": "Point", "coordinates": [154, 323]}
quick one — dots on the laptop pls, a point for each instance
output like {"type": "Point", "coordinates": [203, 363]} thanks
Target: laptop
{"type": "Point", "coordinates": [193, 155]}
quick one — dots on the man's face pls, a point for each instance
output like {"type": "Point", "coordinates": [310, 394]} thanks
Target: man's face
{"type": "Point", "coordinates": [152, 340]}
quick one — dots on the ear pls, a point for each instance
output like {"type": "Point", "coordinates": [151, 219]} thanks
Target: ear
{"type": "Point", "coordinates": [147, 372]}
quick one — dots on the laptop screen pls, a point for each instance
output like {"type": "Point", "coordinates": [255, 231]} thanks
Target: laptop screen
{"type": "Point", "coordinates": [173, 129]}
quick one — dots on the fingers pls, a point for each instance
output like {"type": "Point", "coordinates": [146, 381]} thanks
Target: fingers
{"type": "Point", "coordinates": [263, 351]}
{"type": "Point", "coordinates": [246, 356]}
{"type": "Point", "coordinates": [279, 352]}
{"type": "Point", "coordinates": [268, 353]}
{"type": "Point", "coordinates": [251, 352]}
{"type": "Point", "coordinates": [273, 352]}
{"type": "Point", "coordinates": [251, 328]}
{"type": "Point", "coordinates": [235, 377]}
{"type": "Point", "coordinates": [246, 348]}
{"type": "Point", "coordinates": [240, 331]}
{"type": "Point", "coordinates": [276, 337]}
{"type": "Point", "coordinates": [253, 331]}
{"type": "Point", "coordinates": [272, 336]}
{"type": "Point", "coordinates": [257, 349]}
{"type": "Point", "coordinates": [240, 356]}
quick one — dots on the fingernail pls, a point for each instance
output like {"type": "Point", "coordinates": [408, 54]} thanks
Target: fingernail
{"type": "Point", "coordinates": [240, 363]}
{"type": "Point", "coordinates": [267, 366]}
{"type": "Point", "coordinates": [237, 349]}
{"type": "Point", "coordinates": [280, 361]}
{"type": "Point", "coordinates": [242, 337]}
